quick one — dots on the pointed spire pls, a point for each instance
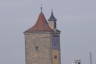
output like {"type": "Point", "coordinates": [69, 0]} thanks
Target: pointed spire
{"type": "Point", "coordinates": [41, 25]}
{"type": "Point", "coordinates": [52, 18]}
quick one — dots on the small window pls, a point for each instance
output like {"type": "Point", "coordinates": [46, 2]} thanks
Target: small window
{"type": "Point", "coordinates": [55, 57]}
{"type": "Point", "coordinates": [78, 62]}
{"type": "Point", "coordinates": [36, 48]}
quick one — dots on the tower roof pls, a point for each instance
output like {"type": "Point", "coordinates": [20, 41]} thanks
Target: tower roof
{"type": "Point", "coordinates": [41, 25]}
{"type": "Point", "coordinates": [52, 18]}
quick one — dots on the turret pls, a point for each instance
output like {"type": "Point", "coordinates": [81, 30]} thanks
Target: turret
{"type": "Point", "coordinates": [52, 21]}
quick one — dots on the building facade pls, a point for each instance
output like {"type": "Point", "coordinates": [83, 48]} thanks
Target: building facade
{"type": "Point", "coordinates": [76, 61]}
{"type": "Point", "coordinates": [42, 42]}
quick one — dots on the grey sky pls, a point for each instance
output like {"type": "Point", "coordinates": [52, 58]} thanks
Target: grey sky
{"type": "Point", "coordinates": [76, 20]}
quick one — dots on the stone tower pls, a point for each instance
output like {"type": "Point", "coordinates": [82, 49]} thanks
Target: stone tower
{"type": "Point", "coordinates": [42, 42]}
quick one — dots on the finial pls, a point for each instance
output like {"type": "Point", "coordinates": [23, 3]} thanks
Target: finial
{"type": "Point", "coordinates": [52, 13]}
{"type": "Point", "coordinates": [41, 6]}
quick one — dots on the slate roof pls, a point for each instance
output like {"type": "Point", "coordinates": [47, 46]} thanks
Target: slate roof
{"type": "Point", "coordinates": [52, 18]}
{"type": "Point", "coordinates": [41, 25]}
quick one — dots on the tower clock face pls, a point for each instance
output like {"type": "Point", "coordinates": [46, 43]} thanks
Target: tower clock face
{"type": "Point", "coordinates": [55, 43]}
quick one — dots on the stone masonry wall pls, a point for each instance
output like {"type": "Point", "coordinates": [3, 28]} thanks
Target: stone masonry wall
{"type": "Point", "coordinates": [37, 48]}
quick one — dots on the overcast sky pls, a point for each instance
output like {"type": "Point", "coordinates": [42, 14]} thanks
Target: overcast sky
{"type": "Point", "coordinates": [76, 20]}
